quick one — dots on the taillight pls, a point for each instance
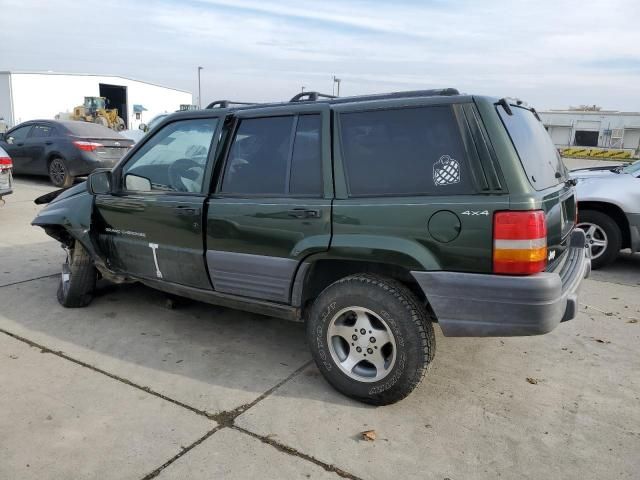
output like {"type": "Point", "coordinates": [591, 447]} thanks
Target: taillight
{"type": "Point", "coordinates": [87, 146]}
{"type": "Point", "coordinates": [5, 163]}
{"type": "Point", "coordinates": [519, 242]}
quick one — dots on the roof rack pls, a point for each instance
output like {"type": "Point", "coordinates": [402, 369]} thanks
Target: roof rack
{"type": "Point", "coordinates": [226, 103]}
{"type": "Point", "coordinates": [310, 96]}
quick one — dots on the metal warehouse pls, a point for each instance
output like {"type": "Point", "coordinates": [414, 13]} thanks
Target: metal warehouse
{"type": "Point", "coordinates": [44, 95]}
{"type": "Point", "coordinates": [593, 128]}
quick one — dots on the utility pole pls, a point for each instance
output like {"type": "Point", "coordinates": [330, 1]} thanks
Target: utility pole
{"type": "Point", "coordinates": [199, 90]}
{"type": "Point", "coordinates": [336, 80]}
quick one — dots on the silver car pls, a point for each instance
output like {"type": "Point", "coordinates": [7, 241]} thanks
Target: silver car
{"type": "Point", "coordinates": [609, 210]}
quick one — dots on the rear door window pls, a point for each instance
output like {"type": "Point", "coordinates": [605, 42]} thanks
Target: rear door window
{"type": "Point", "coordinates": [408, 151]}
{"type": "Point", "coordinates": [278, 156]}
{"type": "Point", "coordinates": [538, 155]}
{"type": "Point", "coordinates": [41, 131]}
{"type": "Point", "coordinates": [306, 161]}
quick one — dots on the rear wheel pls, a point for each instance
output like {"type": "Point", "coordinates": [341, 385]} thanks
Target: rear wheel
{"type": "Point", "coordinates": [603, 236]}
{"type": "Point", "coordinates": [371, 338]}
{"type": "Point", "coordinates": [78, 278]}
{"type": "Point", "coordinates": [59, 174]}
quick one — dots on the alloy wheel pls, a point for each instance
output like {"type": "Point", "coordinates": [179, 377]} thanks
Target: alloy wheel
{"type": "Point", "coordinates": [597, 240]}
{"type": "Point", "coordinates": [57, 171]}
{"type": "Point", "coordinates": [361, 344]}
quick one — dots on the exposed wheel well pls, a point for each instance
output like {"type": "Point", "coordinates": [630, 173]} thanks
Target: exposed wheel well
{"type": "Point", "coordinates": [60, 234]}
{"type": "Point", "coordinates": [325, 272]}
{"type": "Point", "coordinates": [615, 213]}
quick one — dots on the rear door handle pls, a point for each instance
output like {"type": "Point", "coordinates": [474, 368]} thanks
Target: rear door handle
{"type": "Point", "coordinates": [304, 213]}
{"type": "Point", "coordinates": [185, 210]}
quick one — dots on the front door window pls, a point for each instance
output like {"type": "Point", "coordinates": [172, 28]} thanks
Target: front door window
{"type": "Point", "coordinates": [174, 160]}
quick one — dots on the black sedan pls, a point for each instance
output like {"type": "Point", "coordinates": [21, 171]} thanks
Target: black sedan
{"type": "Point", "coordinates": [63, 150]}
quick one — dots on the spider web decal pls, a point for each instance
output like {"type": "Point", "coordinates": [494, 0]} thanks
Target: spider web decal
{"type": "Point", "coordinates": [446, 171]}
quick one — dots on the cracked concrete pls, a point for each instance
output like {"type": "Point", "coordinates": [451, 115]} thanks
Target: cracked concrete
{"type": "Point", "coordinates": [129, 389]}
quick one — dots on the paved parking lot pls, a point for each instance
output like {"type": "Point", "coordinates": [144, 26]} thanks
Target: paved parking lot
{"type": "Point", "coordinates": [129, 389]}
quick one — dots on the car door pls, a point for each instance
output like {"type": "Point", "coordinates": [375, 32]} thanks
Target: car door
{"type": "Point", "coordinates": [14, 144]}
{"type": "Point", "coordinates": [38, 139]}
{"type": "Point", "coordinates": [272, 204]}
{"type": "Point", "coordinates": [152, 226]}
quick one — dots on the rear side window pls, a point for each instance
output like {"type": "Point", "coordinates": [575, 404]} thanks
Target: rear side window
{"type": "Point", "coordinates": [408, 151]}
{"type": "Point", "coordinates": [91, 130]}
{"type": "Point", "coordinates": [538, 155]}
{"type": "Point", "coordinates": [275, 156]}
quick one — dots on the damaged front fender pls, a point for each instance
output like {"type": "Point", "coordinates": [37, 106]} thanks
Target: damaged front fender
{"type": "Point", "coordinates": [68, 216]}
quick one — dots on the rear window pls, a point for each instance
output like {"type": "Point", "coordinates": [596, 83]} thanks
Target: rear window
{"type": "Point", "coordinates": [93, 130]}
{"type": "Point", "coordinates": [408, 151]}
{"type": "Point", "coordinates": [538, 155]}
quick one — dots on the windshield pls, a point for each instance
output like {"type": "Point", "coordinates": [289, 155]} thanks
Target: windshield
{"type": "Point", "coordinates": [537, 153]}
{"type": "Point", "coordinates": [633, 168]}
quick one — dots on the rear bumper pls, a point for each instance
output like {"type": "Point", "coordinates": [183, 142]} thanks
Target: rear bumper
{"type": "Point", "coordinates": [87, 163]}
{"type": "Point", "coordinates": [480, 305]}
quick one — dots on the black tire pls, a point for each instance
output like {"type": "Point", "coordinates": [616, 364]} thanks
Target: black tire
{"type": "Point", "coordinates": [613, 236]}
{"type": "Point", "coordinates": [405, 317]}
{"type": "Point", "coordinates": [59, 173]}
{"type": "Point", "coordinates": [78, 279]}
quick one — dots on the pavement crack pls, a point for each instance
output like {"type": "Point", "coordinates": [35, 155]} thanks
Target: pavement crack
{"type": "Point", "coordinates": [296, 453]}
{"type": "Point", "coordinates": [182, 452]}
{"type": "Point", "coordinates": [227, 418]}
{"type": "Point", "coordinates": [30, 280]}
{"type": "Point", "coordinates": [148, 390]}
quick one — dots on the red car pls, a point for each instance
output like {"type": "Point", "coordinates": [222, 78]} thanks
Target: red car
{"type": "Point", "coordinates": [6, 181]}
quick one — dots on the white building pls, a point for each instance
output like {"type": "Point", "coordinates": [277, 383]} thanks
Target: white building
{"type": "Point", "coordinates": [43, 95]}
{"type": "Point", "coordinates": [605, 129]}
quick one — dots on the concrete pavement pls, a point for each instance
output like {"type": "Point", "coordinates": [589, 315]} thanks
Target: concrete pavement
{"type": "Point", "coordinates": [135, 390]}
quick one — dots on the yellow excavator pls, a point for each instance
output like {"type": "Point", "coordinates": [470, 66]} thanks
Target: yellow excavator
{"type": "Point", "coordinates": [94, 110]}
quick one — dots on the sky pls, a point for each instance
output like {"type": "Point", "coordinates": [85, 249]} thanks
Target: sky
{"type": "Point", "coordinates": [552, 54]}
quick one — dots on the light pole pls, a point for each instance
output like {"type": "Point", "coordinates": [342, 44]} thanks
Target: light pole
{"type": "Point", "coordinates": [336, 80]}
{"type": "Point", "coordinates": [303, 87]}
{"type": "Point", "coordinates": [199, 90]}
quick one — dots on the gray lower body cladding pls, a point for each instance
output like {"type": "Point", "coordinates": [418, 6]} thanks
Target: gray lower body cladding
{"type": "Point", "coordinates": [479, 305]}
{"type": "Point", "coordinates": [255, 276]}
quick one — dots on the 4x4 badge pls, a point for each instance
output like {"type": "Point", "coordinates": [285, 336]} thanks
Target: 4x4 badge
{"type": "Point", "coordinates": [474, 213]}
{"type": "Point", "coordinates": [446, 171]}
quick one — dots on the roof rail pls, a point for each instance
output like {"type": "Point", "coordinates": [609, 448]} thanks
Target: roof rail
{"type": "Point", "coordinates": [226, 103]}
{"type": "Point", "coordinates": [310, 96]}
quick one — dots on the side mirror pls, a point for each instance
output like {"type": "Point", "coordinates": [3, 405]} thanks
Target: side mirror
{"type": "Point", "coordinates": [99, 182]}
{"type": "Point", "coordinates": [136, 183]}
{"type": "Point", "coordinates": [10, 140]}
{"type": "Point", "coordinates": [144, 127]}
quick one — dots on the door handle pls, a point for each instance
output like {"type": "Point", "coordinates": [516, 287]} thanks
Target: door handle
{"type": "Point", "coordinates": [48, 142]}
{"type": "Point", "coordinates": [185, 210]}
{"type": "Point", "coordinates": [305, 213]}
{"type": "Point", "coordinates": [19, 144]}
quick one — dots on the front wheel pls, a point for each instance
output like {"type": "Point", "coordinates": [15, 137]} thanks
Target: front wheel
{"type": "Point", "coordinates": [78, 278]}
{"type": "Point", "coordinates": [371, 338]}
{"type": "Point", "coordinates": [604, 238]}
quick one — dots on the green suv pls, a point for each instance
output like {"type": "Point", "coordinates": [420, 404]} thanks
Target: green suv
{"type": "Point", "coordinates": [369, 218]}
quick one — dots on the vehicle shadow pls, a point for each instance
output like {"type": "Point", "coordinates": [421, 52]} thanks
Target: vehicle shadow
{"type": "Point", "coordinates": [625, 270]}
{"type": "Point", "coordinates": [212, 358]}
